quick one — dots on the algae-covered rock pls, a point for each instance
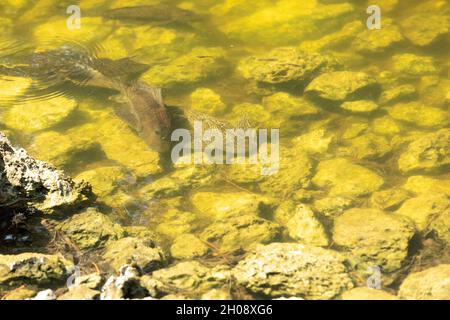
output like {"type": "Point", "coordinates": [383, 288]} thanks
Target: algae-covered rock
{"type": "Point", "coordinates": [139, 253]}
{"type": "Point", "coordinates": [331, 40]}
{"type": "Point", "coordinates": [119, 143]}
{"type": "Point", "coordinates": [32, 116]}
{"type": "Point", "coordinates": [91, 229]}
{"type": "Point", "coordinates": [21, 293]}
{"type": "Point", "coordinates": [371, 237]}
{"type": "Point", "coordinates": [187, 246]}
{"type": "Point", "coordinates": [424, 184]}
{"type": "Point", "coordinates": [33, 268]}
{"type": "Point", "coordinates": [341, 85]}
{"type": "Point", "coordinates": [92, 29]}
{"type": "Point", "coordinates": [364, 293]}
{"type": "Point", "coordinates": [423, 29]}
{"type": "Point", "coordinates": [224, 204]}
{"type": "Point", "coordinates": [207, 101]}
{"type": "Point", "coordinates": [397, 94]}
{"type": "Point", "coordinates": [13, 87]}
{"type": "Point", "coordinates": [345, 178]}
{"type": "Point", "coordinates": [284, 22]}
{"type": "Point", "coordinates": [369, 146]}
{"type": "Point", "coordinates": [388, 199]}
{"type": "Point", "coordinates": [375, 41]}
{"type": "Point", "coordinates": [285, 106]}
{"type": "Point", "coordinates": [109, 184]}
{"type": "Point", "coordinates": [441, 225]}
{"type": "Point", "coordinates": [386, 126]}
{"type": "Point", "coordinates": [430, 284]}
{"type": "Point", "coordinates": [191, 276]}
{"type": "Point", "coordinates": [360, 106]}
{"type": "Point", "coordinates": [425, 208]}
{"type": "Point", "coordinates": [195, 66]}
{"type": "Point", "coordinates": [174, 222]}
{"type": "Point", "coordinates": [294, 173]}
{"type": "Point", "coordinates": [419, 114]}
{"type": "Point", "coordinates": [427, 153]}
{"type": "Point", "coordinates": [284, 65]}
{"type": "Point", "coordinates": [301, 224]}
{"type": "Point", "coordinates": [254, 113]}
{"type": "Point", "coordinates": [332, 206]}
{"type": "Point", "coordinates": [291, 269]}
{"type": "Point", "coordinates": [317, 141]}
{"type": "Point", "coordinates": [177, 182]}
{"type": "Point", "coordinates": [242, 231]}
{"type": "Point", "coordinates": [80, 293]}
{"type": "Point", "coordinates": [61, 149]}
{"type": "Point", "coordinates": [413, 65]}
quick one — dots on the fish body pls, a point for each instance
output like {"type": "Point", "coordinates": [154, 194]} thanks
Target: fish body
{"type": "Point", "coordinates": [157, 13]}
{"type": "Point", "coordinates": [143, 108]}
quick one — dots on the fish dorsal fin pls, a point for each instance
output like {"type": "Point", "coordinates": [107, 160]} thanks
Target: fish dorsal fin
{"type": "Point", "coordinates": [157, 94]}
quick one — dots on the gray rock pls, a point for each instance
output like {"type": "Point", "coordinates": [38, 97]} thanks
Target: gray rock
{"type": "Point", "coordinates": [293, 270]}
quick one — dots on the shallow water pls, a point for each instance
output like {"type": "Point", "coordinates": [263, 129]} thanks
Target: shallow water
{"type": "Point", "coordinates": [136, 186]}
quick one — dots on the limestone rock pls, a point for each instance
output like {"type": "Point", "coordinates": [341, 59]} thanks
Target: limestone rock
{"type": "Point", "coordinates": [290, 269]}
{"type": "Point", "coordinates": [345, 178]}
{"type": "Point", "coordinates": [429, 152]}
{"type": "Point", "coordinates": [431, 284]}
{"type": "Point", "coordinates": [341, 85]}
{"type": "Point", "coordinates": [373, 238]}
{"type": "Point", "coordinates": [91, 229]}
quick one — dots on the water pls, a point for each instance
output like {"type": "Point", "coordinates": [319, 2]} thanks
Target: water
{"type": "Point", "coordinates": [200, 63]}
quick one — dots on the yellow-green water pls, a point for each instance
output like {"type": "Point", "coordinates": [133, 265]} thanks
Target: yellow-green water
{"type": "Point", "coordinates": [201, 65]}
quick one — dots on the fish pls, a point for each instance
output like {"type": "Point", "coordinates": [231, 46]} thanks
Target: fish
{"type": "Point", "coordinates": [156, 13]}
{"type": "Point", "coordinates": [141, 107]}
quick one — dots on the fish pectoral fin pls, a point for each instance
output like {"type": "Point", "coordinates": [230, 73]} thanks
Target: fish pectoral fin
{"type": "Point", "coordinates": [129, 117]}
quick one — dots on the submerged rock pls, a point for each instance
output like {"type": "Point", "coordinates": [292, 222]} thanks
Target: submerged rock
{"type": "Point", "coordinates": [197, 65]}
{"type": "Point", "coordinates": [425, 208]}
{"type": "Point", "coordinates": [207, 101]}
{"type": "Point", "coordinates": [371, 237]}
{"type": "Point", "coordinates": [187, 246]}
{"type": "Point", "coordinates": [12, 87]}
{"type": "Point", "coordinates": [31, 116]}
{"type": "Point", "coordinates": [24, 179]}
{"type": "Point", "coordinates": [423, 29]}
{"type": "Point", "coordinates": [91, 229]}
{"type": "Point", "coordinates": [317, 141]}
{"type": "Point", "coordinates": [361, 106]}
{"type": "Point", "coordinates": [418, 114]}
{"type": "Point", "coordinates": [363, 293]}
{"type": "Point", "coordinates": [431, 284]}
{"type": "Point", "coordinates": [424, 185]}
{"type": "Point", "coordinates": [290, 269]}
{"type": "Point", "coordinates": [388, 199]}
{"type": "Point", "coordinates": [110, 184]}
{"type": "Point", "coordinates": [398, 93]}
{"type": "Point", "coordinates": [429, 152]}
{"type": "Point", "coordinates": [369, 146]}
{"type": "Point", "coordinates": [375, 41]}
{"type": "Point", "coordinates": [188, 276]}
{"type": "Point", "coordinates": [345, 178]}
{"type": "Point", "coordinates": [413, 65]}
{"type": "Point", "coordinates": [219, 205]}
{"type": "Point", "coordinates": [62, 150]}
{"type": "Point", "coordinates": [242, 231]}
{"type": "Point", "coordinates": [284, 65]}
{"type": "Point", "coordinates": [341, 85]}
{"type": "Point", "coordinates": [332, 206]}
{"type": "Point", "coordinates": [139, 253]}
{"type": "Point", "coordinates": [284, 22]}
{"type": "Point", "coordinates": [301, 224]}
{"type": "Point", "coordinates": [33, 268]}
